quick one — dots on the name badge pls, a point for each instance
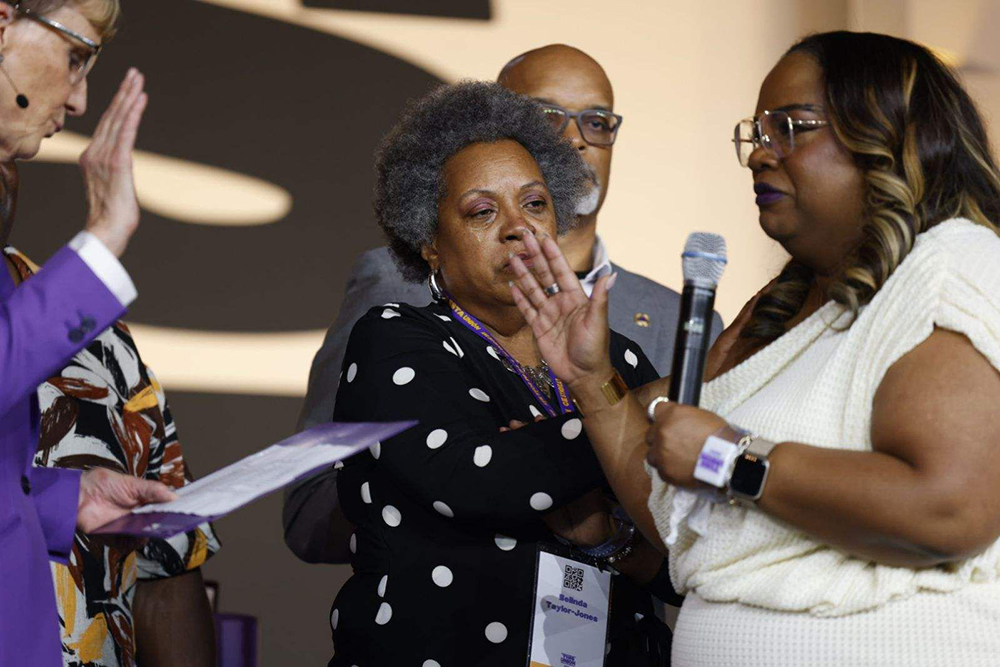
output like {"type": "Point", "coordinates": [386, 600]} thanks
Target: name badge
{"type": "Point", "coordinates": [569, 619]}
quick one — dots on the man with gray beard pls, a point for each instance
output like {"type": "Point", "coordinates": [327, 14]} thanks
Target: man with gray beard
{"type": "Point", "coordinates": [578, 98]}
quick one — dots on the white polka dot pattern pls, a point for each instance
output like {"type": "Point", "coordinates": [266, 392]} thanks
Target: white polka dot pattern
{"type": "Point", "coordinates": [483, 456]}
{"type": "Point", "coordinates": [541, 501]}
{"type": "Point", "coordinates": [436, 438]}
{"type": "Point", "coordinates": [431, 663]}
{"type": "Point", "coordinates": [352, 372]}
{"type": "Point", "coordinates": [631, 359]}
{"type": "Point", "coordinates": [505, 543]}
{"type": "Point", "coordinates": [496, 632]}
{"type": "Point", "coordinates": [571, 429]}
{"type": "Point", "coordinates": [444, 317]}
{"type": "Point", "coordinates": [451, 394]}
{"type": "Point", "coordinates": [391, 516]}
{"type": "Point", "coordinates": [454, 348]}
{"type": "Point", "coordinates": [442, 576]}
{"type": "Point", "coordinates": [443, 509]}
{"type": "Point", "coordinates": [334, 618]}
{"type": "Point", "coordinates": [384, 614]}
{"type": "Point", "coordinates": [403, 376]}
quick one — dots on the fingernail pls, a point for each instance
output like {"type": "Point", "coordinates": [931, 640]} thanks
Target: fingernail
{"type": "Point", "coordinates": [510, 283]}
{"type": "Point", "coordinates": [612, 280]}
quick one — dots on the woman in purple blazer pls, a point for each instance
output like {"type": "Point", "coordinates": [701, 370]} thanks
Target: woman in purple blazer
{"type": "Point", "coordinates": [47, 47]}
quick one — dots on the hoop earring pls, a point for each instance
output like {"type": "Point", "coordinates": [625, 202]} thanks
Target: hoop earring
{"type": "Point", "coordinates": [436, 292]}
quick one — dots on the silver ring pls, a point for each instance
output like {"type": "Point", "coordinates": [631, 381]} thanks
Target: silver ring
{"type": "Point", "coordinates": [651, 410]}
{"type": "Point", "coordinates": [552, 289]}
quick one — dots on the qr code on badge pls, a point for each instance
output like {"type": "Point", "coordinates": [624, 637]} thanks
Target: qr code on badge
{"type": "Point", "coordinates": [573, 578]}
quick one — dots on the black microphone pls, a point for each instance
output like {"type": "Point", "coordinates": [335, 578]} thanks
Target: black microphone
{"type": "Point", "coordinates": [704, 260]}
{"type": "Point", "coordinates": [22, 100]}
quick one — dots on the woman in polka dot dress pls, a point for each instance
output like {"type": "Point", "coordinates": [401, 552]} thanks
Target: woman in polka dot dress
{"type": "Point", "coordinates": [450, 513]}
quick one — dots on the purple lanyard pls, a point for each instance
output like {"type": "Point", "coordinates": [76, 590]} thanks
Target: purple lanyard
{"type": "Point", "coordinates": [561, 392]}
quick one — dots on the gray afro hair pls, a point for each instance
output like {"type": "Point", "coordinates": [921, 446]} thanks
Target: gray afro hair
{"type": "Point", "coordinates": [410, 160]}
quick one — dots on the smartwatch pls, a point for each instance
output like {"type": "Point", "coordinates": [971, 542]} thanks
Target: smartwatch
{"type": "Point", "coordinates": [746, 484]}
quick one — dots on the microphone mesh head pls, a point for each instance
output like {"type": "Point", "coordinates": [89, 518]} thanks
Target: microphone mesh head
{"type": "Point", "coordinates": [704, 259]}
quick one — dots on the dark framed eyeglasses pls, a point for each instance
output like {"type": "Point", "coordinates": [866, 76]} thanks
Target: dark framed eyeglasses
{"type": "Point", "coordinates": [597, 126]}
{"type": "Point", "coordinates": [80, 63]}
{"type": "Point", "coordinates": [774, 130]}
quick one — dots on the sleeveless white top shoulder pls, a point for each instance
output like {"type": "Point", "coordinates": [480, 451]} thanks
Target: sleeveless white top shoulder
{"type": "Point", "coordinates": [815, 385]}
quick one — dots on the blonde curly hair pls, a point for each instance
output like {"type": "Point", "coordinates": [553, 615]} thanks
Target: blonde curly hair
{"type": "Point", "coordinates": [923, 151]}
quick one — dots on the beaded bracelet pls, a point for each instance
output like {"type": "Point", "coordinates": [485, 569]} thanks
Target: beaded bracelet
{"type": "Point", "coordinates": [619, 546]}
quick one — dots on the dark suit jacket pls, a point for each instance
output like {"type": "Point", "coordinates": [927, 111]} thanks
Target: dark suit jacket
{"type": "Point", "coordinates": [639, 308]}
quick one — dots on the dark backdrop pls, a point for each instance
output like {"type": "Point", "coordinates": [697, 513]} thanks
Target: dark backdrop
{"type": "Point", "coordinates": [289, 105]}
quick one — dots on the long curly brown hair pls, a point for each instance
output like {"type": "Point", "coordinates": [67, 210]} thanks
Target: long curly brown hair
{"type": "Point", "coordinates": [922, 148]}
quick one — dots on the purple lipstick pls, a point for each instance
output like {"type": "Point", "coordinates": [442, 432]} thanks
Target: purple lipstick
{"type": "Point", "coordinates": [767, 194]}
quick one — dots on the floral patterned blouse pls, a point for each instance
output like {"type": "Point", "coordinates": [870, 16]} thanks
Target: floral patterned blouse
{"type": "Point", "coordinates": [105, 408]}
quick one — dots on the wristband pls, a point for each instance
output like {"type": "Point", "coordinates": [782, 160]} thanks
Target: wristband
{"type": "Point", "coordinates": [718, 456]}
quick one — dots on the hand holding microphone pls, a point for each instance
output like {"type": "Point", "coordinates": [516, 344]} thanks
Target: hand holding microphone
{"type": "Point", "coordinates": [679, 427]}
{"type": "Point", "coordinates": [572, 334]}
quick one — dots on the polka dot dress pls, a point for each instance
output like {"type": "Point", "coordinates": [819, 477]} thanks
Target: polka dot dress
{"type": "Point", "coordinates": [448, 515]}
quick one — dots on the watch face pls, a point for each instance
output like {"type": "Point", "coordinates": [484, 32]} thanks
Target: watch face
{"type": "Point", "coordinates": [748, 476]}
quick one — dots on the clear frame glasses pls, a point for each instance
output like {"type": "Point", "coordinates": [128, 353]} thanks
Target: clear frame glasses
{"type": "Point", "coordinates": [597, 126]}
{"type": "Point", "coordinates": [774, 130]}
{"type": "Point", "coordinates": [82, 58]}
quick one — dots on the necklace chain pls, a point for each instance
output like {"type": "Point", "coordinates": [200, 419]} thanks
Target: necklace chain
{"type": "Point", "coordinates": [539, 374]}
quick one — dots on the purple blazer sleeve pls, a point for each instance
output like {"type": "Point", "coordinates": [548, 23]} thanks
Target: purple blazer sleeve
{"type": "Point", "coordinates": [44, 322]}
{"type": "Point", "coordinates": [56, 494]}
{"type": "Point", "coordinates": [48, 319]}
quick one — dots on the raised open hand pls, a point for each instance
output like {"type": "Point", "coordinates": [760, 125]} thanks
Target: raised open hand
{"type": "Point", "coordinates": [571, 329]}
{"type": "Point", "coordinates": [107, 167]}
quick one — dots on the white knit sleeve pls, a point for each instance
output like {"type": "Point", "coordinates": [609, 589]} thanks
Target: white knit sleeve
{"type": "Point", "coordinates": [969, 298]}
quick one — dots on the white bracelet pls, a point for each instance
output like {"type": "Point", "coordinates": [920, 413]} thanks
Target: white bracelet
{"type": "Point", "coordinates": [715, 461]}
{"type": "Point", "coordinates": [718, 456]}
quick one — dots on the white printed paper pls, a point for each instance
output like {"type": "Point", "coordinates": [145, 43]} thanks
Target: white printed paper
{"type": "Point", "coordinates": [270, 469]}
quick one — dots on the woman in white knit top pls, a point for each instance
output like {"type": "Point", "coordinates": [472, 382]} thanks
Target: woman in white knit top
{"type": "Point", "coordinates": [871, 361]}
